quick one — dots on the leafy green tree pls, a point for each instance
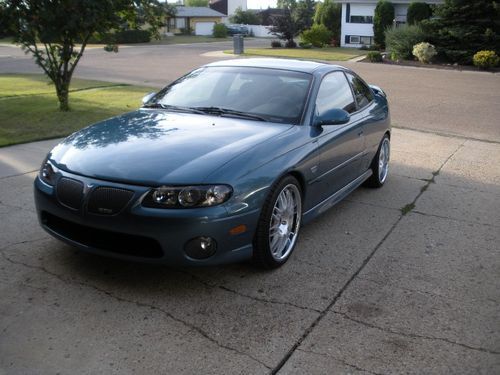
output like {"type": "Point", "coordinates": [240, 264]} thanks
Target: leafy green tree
{"type": "Point", "coordinates": [56, 32]}
{"type": "Point", "coordinates": [417, 12]}
{"type": "Point", "coordinates": [464, 27]}
{"type": "Point", "coordinates": [329, 13]}
{"type": "Point", "coordinates": [382, 20]}
{"type": "Point", "coordinates": [245, 17]}
{"type": "Point", "coordinates": [196, 3]}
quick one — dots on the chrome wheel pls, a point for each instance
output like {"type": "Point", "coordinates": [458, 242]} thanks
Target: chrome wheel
{"type": "Point", "coordinates": [383, 160]}
{"type": "Point", "coordinates": [285, 222]}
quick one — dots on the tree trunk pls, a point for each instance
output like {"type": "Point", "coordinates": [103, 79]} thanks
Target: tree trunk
{"type": "Point", "coordinates": [63, 95]}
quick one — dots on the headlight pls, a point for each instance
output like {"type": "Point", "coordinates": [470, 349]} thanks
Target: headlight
{"type": "Point", "coordinates": [48, 173]}
{"type": "Point", "coordinates": [187, 196]}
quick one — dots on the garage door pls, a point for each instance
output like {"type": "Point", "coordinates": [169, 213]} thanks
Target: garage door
{"type": "Point", "coordinates": [204, 28]}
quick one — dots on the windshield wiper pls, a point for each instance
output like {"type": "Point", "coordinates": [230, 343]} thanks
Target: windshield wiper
{"type": "Point", "coordinates": [174, 108]}
{"type": "Point", "coordinates": [229, 112]}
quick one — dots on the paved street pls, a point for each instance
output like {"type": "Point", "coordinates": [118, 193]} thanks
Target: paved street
{"type": "Point", "coordinates": [404, 279]}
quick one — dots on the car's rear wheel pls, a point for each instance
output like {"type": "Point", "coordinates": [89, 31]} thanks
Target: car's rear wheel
{"type": "Point", "coordinates": [279, 224]}
{"type": "Point", "coordinates": [380, 164]}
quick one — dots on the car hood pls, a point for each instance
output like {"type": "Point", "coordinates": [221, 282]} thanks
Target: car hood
{"type": "Point", "coordinates": [151, 147]}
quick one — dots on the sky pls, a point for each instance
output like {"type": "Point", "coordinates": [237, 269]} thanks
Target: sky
{"type": "Point", "coordinates": [257, 4]}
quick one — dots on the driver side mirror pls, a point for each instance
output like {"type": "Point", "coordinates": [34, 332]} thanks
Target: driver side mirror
{"type": "Point", "coordinates": [147, 97]}
{"type": "Point", "coordinates": [334, 116]}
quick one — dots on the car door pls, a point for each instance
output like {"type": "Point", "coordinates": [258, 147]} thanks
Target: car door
{"type": "Point", "coordinates": [341, 147]}
{"type": "Point", "coordinates": [365, 115]}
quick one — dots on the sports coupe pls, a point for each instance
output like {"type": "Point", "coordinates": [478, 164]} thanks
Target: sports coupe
{"type": "Point", "coordinates": [223, 165]}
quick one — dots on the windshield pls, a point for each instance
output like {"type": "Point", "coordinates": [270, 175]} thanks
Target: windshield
{"type": "Point", "coordinates": [266, 94]}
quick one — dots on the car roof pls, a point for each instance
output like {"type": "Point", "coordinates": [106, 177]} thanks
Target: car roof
{"type": "Point", "coordinates": [285, 64]}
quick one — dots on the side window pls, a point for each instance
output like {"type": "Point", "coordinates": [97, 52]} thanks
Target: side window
{"type": "Point", "coordinates": [334, 92]}
{"type": "Point", "coordinates": [361, 91]}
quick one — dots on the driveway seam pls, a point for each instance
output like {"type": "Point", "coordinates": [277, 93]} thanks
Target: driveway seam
{"type": "Point", "coordinates": [324, 312]}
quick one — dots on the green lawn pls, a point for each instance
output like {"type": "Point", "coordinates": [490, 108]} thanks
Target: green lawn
{"type": "Point", "coordinates": [29, 106]}
{"type": "Point", "coordinates": [327, 54]}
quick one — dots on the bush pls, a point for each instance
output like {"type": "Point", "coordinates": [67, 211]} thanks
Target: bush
{"type": "Point", "coordinates": [374, 56]}
{"type": "Point", "coordinates": [276, 44]}
{"type": "Point", "coordinates": [305, 45]}
{"type": "Point", "coordinates": [290, 44]}
{"type": "Point", "coordinates": [418, 12]}
{"type": "Point", "coordinates": [382, 19]}
{"type": "Point", "coordinates": [424, 52]}
{"type": "Point", "coordinates": [132, 36]}
{"type": "Point", "coordinates": [219, 31]}
{"type": "Point", "coordinates": [400, 40]}
{"type": "Point", "coordinates": [486, 59]}
{"type": "Point", "coordinates": [317, 35]}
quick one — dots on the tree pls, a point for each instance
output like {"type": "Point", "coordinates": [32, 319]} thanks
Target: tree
{"type": "Point", "coordinates": [56, 32]}
{"type": "Point", "coordinates": [245, 17]}
{"type": "Point", "coordinates": [329, 13]}
{"type": "Point", "coordinates": [382, 19]}
{"type": "Point", "coordinates": [304, 14]}
{"type": "Point", "coordinates": [297, 16]}
{"type": "Point", "coordinates": [285, 26]}
{"type": "Point", "coordinates": [196, 3]}
{"type": "Point", "coordinates": [464, 27]}
{"type": "Point", "coordinates": [418, 12]}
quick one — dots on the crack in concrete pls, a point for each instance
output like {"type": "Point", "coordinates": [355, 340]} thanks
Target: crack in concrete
{"type": "Point", "coordinates": [454, 219]}
{"type": "Point", "coordinates": [16, 207]}
{"type": "Point", "coordinates": [410, 206]}
{"type": "Point", "coordinates": [18, 175]}
{"type": "Point", "coordinates": [192, 327]}
{"type": "Point", "coordinates": [416, 336]}
{"type": "Point", "coordinates": [433, 295]}
{"type": "Point", "coordinates": [444, 134]}
{"type": "Point", "coordinates": [254, 298]}
{"type": "Point", "coordinates": [356, 367]}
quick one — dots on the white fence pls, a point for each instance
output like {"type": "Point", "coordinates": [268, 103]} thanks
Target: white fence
{"type": "Point", "coordinates": [260, 31]}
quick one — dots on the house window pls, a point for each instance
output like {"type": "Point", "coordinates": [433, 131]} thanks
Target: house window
{"type": "Point", "coordinates": [368, 40]}
{"type": "Point", "coordinates": [354, 39]}
{"type": "Point", "coordinates": [361, 19]}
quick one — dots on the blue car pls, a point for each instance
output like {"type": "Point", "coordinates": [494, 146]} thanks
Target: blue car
{"type": "Point", "coordinates": [223, 165]}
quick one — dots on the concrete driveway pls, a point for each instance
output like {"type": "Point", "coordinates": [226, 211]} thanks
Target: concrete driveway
{"type": "Point", "coordinates": [404, 279]}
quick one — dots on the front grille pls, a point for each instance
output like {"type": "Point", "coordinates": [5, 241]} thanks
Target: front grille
{"type": "Point", "coordinates": [108, 200]}
{"type": "Point", "coordinates": [70, 192]}
{"type": "Point", "coordinates": [115, 242]}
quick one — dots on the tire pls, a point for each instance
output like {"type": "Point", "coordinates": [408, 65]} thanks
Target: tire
{"type": "Point", "coordinates": [380, 164]}
{"type": "Point", "coordinates": [279, 224]}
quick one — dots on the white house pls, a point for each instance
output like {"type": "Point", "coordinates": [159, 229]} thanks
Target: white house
{"type": "Point", "coordinates": [357, 19]}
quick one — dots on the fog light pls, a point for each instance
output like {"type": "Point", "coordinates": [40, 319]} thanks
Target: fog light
{"type": "Point", "coordinates": [200, 247]}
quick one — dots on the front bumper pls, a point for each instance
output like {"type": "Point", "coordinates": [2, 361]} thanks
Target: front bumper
{"type": "Point", "coordinates": [143, 234]}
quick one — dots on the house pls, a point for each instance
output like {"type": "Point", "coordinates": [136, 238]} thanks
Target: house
{"type": "Point", "coordinates": [200, 20]}
{"type": "Point", "coordinates": [357, 19]}
{"type": "Point", "coordinates": [227, 7]}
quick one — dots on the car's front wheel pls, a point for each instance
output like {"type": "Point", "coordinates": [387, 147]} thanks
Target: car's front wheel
{"type": "Point", "coordinates": [279, 224]}
{"type": "Point", "coordinates": [380, 164]}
